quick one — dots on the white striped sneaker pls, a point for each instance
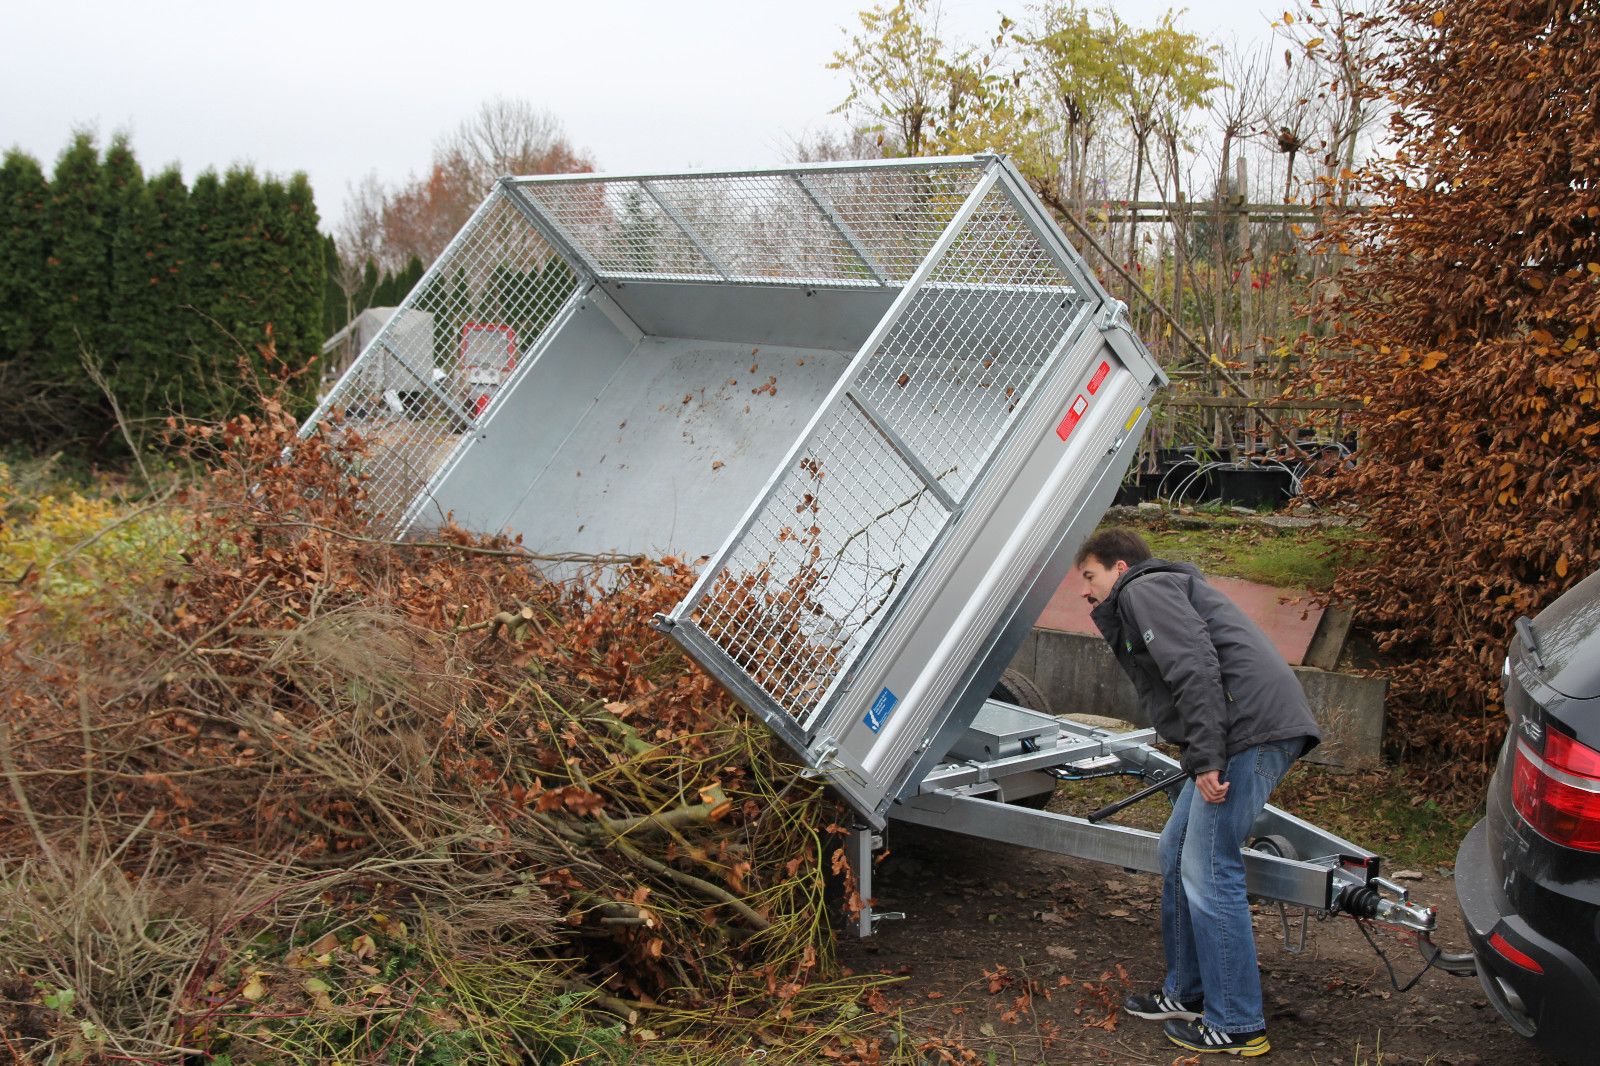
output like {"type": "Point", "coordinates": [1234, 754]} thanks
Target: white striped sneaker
{"type": "Point", "coordinates": [1198, 1036]}
{"type": "Point", "coordinates": [1158, 1005]}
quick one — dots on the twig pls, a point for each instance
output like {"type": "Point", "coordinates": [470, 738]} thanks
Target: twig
{"type": "Point", "coordinates": [609, 1003]}
{"type": "Point", "coordinates": [91, 367]}
{"type": "Point", "coordinates": [465, 549]}
{"type": "Point", "coordinates": [691, 881]}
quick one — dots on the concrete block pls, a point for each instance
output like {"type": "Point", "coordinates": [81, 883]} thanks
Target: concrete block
{"type": "Point", "coordinates": [1349, 708]}
{"type": "Point", "coordinates": [1079, 675]}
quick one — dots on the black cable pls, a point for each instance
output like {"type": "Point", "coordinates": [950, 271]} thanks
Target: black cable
{"type": "Point", "coordinates": [1393, 980]}
{"type": "Point", "coordinates": [1067, 775]}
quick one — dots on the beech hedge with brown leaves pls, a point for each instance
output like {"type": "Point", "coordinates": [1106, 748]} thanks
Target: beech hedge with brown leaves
{"type": "Point", "coordinates": [1466, 325]}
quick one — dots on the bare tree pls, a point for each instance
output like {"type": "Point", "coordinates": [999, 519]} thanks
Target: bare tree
{"type": "Point", "coordinates": [507, 136]}
{"type": "Point", "coordinates": [419, 216]}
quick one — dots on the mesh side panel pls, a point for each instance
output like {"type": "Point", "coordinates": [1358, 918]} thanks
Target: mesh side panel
{"type": "Point", "coordinates": [976, 335]}
{"type": "Point", "coordinates": [621, 228]}
{"type": "Point", "coordinates": [437, 367]}
{"type": "Point", "coordinates": [829, 552]}
{"type": "Point", "coordinates": [897, 215]}
{"type": "Point", "coordinates": [765, 226]}
{"type": "Point", "coordinates": [762, 227]}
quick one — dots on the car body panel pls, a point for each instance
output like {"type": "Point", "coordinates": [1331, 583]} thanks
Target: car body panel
{"type": "Point", "coordinates": [1540, 897]}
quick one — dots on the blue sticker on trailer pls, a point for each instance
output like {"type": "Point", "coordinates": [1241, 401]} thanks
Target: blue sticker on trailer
{"type": "Point", "coordinates": [882, 708]}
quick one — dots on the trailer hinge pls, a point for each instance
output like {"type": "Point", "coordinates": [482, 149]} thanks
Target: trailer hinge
{"type": "Point", "coordinates": [1111, 315]}
{"type": "Point", "coordinates": [662, 623]}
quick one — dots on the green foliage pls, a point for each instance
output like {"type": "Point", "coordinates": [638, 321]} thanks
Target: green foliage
{"type": "Point", "coordinates": [24, 193]}
{"type": "Point", "coordinates": [148, 290]}
{"type": "Point", "coordinates": [897, 72]}
{"type": "Point", "coordinates": [64, 547]}
{"type": "Point", "coordinates": [1043, 93]}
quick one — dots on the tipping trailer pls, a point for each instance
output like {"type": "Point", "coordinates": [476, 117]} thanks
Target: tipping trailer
{"type": "Point", "coordinates": [884, 402]}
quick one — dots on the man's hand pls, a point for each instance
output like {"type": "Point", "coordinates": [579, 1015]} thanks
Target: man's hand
{"type": "Point", "coordinates": [1211, 786]}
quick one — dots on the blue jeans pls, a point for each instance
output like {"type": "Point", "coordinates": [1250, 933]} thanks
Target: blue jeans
{"type": "Point", "coordinates": [1205, 914]}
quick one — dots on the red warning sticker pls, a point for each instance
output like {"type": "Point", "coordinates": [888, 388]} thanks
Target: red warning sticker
{"type": "Point", "coordinates": [1099, 376]}
{"type": "Point", "coordinates": [1075, 412]}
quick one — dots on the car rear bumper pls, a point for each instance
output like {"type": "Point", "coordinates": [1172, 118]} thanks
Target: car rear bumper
{"type": "Point", "coordinates": [1558, 1008]}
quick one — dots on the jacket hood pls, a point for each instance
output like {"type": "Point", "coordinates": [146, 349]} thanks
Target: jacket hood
{"type": "Point", "coordinates": [1104, 615]}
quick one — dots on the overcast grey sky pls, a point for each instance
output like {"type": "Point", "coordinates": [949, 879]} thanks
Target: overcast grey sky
{"type": "Point", "coordinates": [340, 89]}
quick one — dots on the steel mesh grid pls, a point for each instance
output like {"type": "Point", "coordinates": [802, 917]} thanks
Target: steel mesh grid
{"type": "Point", "coordinates": [436, 368]}
{"type": "Point", "coordinates": [810, 580]}
{"type": "Point", "coordinates": [765, 226]}
{"type": "Point", "coordinates": [761, 227]}
{"type": "Point", "coordinates": [621, 229]}
{"type": "Point", "coordinates": [949, 375]}
{"type": "Point", "coordinates": [896, 215]}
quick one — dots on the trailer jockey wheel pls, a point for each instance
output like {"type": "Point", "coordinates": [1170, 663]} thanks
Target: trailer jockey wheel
{"type": "Point", "coordinates": [1272, 844]}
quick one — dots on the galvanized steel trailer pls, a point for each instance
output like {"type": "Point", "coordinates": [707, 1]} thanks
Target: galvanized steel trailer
{"type": "Point", "coordinates": [884, 402]}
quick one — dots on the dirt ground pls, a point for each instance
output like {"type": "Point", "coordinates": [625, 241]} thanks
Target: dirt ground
{"type": "Point", "coordinates": [1022, 955]}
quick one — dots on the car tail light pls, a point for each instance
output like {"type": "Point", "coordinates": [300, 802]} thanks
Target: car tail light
{"type": "Point", "coordinates": [1558, 793]}
{"type": "Point", "coordinates": [1521, 958]}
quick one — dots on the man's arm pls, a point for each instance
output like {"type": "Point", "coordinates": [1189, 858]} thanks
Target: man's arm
{"type": "Point", "coordinates": [1177, 639]}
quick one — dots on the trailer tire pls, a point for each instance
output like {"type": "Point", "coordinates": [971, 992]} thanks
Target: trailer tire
{"type": "Point", "coordinates": [1273, 844]}
{"type": "Point", "coordinates": [1016, 687]}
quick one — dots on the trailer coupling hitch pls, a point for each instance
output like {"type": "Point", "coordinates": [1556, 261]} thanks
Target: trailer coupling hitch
{"type": "Point", "coordinates": [1368, 902]}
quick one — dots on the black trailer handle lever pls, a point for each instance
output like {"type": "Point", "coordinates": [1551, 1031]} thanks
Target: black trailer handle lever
{"type": "Point", "coordinates": [1161, 784]}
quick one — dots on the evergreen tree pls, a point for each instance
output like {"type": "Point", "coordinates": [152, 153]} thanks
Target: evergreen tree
{"type": "Point", "coordinates": [77, 273]}
{"type": "Point", "coordinates": [203, 280]}
{"type": "Point", "coordinates": [298, 319]}
{"type": "Point", "coordinates": [151, 254]}
{"type": "Point", "coordinates": [336, 310]}
{"type": "Point", "coordinates": [369, 287]}
{"type": "Point", "coordinates": [243, 259]}
{"type": "Point", "coordinates": [24, 193]}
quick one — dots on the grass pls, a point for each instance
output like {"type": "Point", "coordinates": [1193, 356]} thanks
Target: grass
{"type": "Point", "coordinates": [1301, 558]}
{"type": "Point", "coordinates": [1384, 811]}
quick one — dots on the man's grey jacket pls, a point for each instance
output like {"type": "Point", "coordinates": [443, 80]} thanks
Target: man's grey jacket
{"type": "Point", "coordinates": [1208, 677]}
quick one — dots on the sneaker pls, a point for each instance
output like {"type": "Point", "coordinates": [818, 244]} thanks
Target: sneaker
{"type": "Point", "coordinates": [1158, 1005]}
{"type": "Point", "coordinates": [1198, 1036]}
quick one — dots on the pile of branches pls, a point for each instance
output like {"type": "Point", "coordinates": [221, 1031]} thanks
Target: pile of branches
{"type": "Point", "coordinates": [408, 770]}
{"type": "Point", "coordinates": [1467, 328]}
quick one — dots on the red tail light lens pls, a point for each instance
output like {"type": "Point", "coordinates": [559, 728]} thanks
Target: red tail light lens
{"type": "Point", "coordinates": [1521, 958]}
{"type": "Point", "coordinates": [1558, 794]}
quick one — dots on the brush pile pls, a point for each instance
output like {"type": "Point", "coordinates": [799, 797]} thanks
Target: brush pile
{"type": "Point", "coordinates": [309, 795]}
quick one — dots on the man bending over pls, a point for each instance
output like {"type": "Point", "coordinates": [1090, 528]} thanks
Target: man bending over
{"type": "Point", "coordinates": [1214, 685]}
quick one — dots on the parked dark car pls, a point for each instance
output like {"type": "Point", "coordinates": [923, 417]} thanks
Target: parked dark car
{"type": "Point", "coordinates": [1528, 874]}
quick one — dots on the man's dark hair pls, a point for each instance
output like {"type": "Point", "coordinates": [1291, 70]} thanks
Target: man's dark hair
{"type": "Point", "coordinates": [1109, 546]}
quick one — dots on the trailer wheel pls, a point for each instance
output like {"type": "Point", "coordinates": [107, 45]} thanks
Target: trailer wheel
{"type": "Point", "coordinates": [1017, 688]}
{"type": "Point", "coordinates": [1272, 844]}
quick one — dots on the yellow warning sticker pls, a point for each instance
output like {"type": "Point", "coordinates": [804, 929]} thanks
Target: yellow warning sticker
{"type": "Point", "coordinates": [1137, 411]}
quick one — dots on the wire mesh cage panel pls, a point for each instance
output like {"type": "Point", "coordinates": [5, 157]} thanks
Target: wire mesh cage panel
{"type": "Point", "coordinates": [971, 344]}
{"type": "Point", "coordinates": [825, 556]}
{"type": "Point", "coordinates": [835, 383]}
{"type": "Point", "coordinates": [847, 526]}
{"type": "Point", "coordinates": [834, 227]}
{"type": "Point", "coordinates": [415, 394]}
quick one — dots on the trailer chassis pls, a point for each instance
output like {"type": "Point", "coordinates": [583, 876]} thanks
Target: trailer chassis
{"type": "Point", "coordinates": [1011, 755]}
